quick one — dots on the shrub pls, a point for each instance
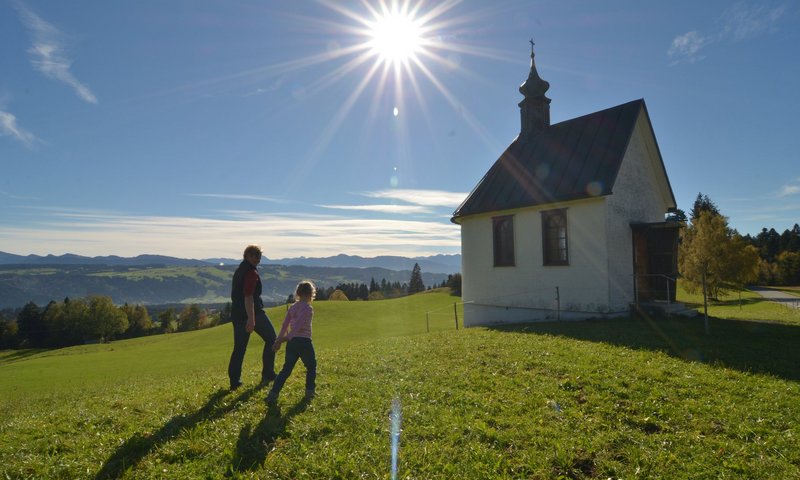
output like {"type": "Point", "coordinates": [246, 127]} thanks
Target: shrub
{"type": "Point", "coordinates": [338, 295]}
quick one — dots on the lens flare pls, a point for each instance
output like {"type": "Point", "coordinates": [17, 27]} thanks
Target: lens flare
{"type": "Point", "coordinates": [396, 417]}
{"type": "Point", "coordinates": [594, 188]}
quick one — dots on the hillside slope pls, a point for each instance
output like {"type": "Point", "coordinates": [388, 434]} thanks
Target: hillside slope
{"type": "Point", "coordinates": [619, 399]}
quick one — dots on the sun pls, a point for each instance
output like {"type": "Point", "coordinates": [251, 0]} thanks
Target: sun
{"type": "Point", "coordinates": [395, 36]}
{"type": "Point", "coordinates": [398, 49]}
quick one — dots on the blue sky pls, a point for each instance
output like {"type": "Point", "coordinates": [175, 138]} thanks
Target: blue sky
{"type": "Point", "coordinates": [193, 128]}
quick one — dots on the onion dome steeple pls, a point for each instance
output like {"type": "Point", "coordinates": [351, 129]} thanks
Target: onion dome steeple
{"type": "Point", "coordinates": [535, 107]}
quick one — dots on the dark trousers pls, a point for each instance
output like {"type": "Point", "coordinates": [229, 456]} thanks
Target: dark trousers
{"type": "Point", "coordinates": [297, 348]}
{"type": "Point", "coordinates": [241, 336]}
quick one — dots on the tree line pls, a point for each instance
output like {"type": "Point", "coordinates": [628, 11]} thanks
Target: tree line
{"type": "Point", "coordinates": [715, 258]}
{"type": "Point", "coordinates": [97, 319]}
{"type": "Point", "coordinates": [779, 256]}
{"type": "Point", "coordinates": [384, 289]}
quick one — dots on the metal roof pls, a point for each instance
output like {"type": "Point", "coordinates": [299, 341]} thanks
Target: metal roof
{"type": "Point", "coordinates": [571, 160]}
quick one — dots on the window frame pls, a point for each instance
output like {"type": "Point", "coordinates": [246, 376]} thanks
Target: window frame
{"type": "Point", "coordinates": [503, 244]}
{"type": "Point", "coordinates": [558, 254]}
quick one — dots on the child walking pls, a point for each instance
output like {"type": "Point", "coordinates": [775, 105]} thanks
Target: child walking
{"type": "Point", "coordinates": [296, 330]}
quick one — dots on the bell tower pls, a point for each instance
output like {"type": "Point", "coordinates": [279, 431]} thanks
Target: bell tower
{"type": "Point", "coordinates": [534, 109]}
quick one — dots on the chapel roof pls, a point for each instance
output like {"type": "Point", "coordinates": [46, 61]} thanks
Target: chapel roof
{"type": "Point", "coordinates": [571, 160]}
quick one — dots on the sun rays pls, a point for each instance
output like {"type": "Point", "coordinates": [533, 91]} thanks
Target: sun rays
{"type": "Point", "coordinates": [395, 49]}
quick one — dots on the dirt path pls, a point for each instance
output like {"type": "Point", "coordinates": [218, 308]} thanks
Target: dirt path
{"type": "Point", "coordinates": [778, 296]}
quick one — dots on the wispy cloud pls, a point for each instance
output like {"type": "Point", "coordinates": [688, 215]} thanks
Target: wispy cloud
{"type": "Point", "coordinates": [743, 21]}
{"type": "Point", "coordinates": [9, 127]}
{"type": "Point", "coordinates": [687, 46]}
{"type": "Point", "coordinates": [788, 190]}
{"type": "Point", "coordinates": [739, 22]}
{"type": "Point", "coordinates": [16, 197]}
{"type": "Point", "coordinates": [48, 52]}
{"type": "Point", "coordinates": [230, 196]}
{"type": "Point", "coordinates": [283, 235]}
{"type": "Point", "coordinates": [429, 198]}
{"type": "Point", "coordinates": [381, 208]}
{"type": "Point", "coordinates": [409, 201]}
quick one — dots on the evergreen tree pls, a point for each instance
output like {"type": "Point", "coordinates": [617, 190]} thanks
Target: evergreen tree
{"type": "Point", "coordinates": [322, 294]}
{"type": "Point", "coordinates": [677, 216]}
{"type": "Point", "coordinates": [454, 283]}
{"type": "Point", "coordinates": [769, 242]}
{"type": "Point", "coordinates": [415, 285]}
{"type": "Point", "coordinates": [703, 204]}
{"type": "Point", "coordinates": [794, 241]}
{"type": "Point", "coordinates": [30, 328]}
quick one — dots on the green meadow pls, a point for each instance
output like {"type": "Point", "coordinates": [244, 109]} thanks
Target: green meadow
{"type": "Point", "coordinates": [624, 398]}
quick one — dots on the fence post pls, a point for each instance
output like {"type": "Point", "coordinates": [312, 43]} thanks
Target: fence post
{"type": "Point", "coordinates": [455, 314]}
{"type": "Point", "coordinates": [558, 305]}
{"type": "Point", "coordinates": [705, 302]}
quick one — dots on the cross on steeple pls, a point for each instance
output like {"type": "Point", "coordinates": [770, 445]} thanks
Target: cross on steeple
{"type": "Point", "coordinates": [532, 44]}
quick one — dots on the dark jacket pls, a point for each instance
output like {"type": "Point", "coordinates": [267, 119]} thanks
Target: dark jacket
{"type": "Point", "coordinates": [238, 312]}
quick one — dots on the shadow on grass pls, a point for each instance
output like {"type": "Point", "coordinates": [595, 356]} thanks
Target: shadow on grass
{"type": "Point", "coordinates": [17, 355]}
{"type": "Point", "coordinates": [748, 346]}
{"type": "Point", "coordinates": [255, 443]}
{"type": "Point", "coordinates": [141, 444]}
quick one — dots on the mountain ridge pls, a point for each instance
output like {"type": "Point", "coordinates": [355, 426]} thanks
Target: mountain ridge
{"type": "Point", "coordinates": [440, 263]}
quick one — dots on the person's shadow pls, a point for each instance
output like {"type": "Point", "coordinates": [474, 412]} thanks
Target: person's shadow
{"type": "Point", "coordinates": [140, 445]}
{"type": "Point", "coordinates": [255, 443]}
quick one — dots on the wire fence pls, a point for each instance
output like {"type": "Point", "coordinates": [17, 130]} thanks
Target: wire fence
{"type": "Point", "coordinates": [556, 302]}
{"type": "Point", "coordinates": [444, 316]}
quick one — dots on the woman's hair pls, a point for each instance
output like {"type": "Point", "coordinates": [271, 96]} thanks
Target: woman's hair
{"type": "Point", "coordinates": [305, 288]}
{"type": "Point", "coordinates": [252, 250]}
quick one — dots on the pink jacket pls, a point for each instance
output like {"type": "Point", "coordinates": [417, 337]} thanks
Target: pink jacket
{"type": "Point", "coordinates": [297, 321]}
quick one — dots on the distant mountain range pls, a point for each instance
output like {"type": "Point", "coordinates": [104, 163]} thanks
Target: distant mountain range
{"type": "Point", "coordinates": [431, 264]}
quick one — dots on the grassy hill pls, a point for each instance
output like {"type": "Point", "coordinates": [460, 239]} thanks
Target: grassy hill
{"type": "Point", "coordinates": [627, 398]}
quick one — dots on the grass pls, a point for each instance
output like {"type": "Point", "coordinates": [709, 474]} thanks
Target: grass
{"type": "Point", "coordinates": [751, 306]}
{"type": "Point", "coordinates": [627, 398]}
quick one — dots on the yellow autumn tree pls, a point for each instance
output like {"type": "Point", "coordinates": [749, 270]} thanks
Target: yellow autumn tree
{"type": "Point", "coordinates": [714, 256]}
{"type": "Point", "coordinates": [338, 295]}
